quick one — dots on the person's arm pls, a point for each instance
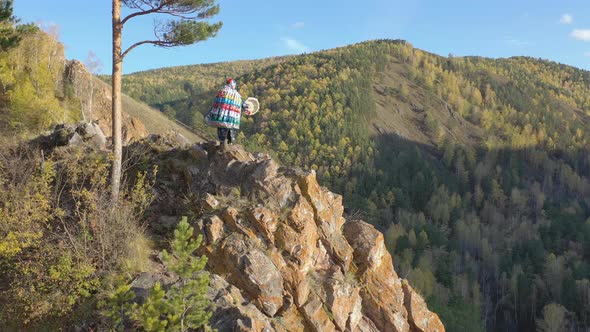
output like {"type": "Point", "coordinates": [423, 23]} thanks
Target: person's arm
{"type": "Point", "coordinates": [246, 108]}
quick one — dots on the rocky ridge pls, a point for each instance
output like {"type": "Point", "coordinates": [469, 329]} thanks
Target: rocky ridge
{"type": "Point", "coordinates": [281, 255]}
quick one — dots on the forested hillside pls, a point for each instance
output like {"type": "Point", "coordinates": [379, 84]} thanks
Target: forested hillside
{"type": "Point", "coordinates": [477, 170]}
{"type": "Point", "coordinates": [34, 93]}
{"type": "Point", "coordinates": [39, 89]}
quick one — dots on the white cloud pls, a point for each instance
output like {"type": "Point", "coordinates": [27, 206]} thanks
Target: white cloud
{"type": "Point", "coordinates": [566, 19]}
{"type": "Point", "coordinates": [298, 25]}
{"type": "Point", "coordinates": [581, 34]}
{"type": "Point", "coordinates": [295, 45]}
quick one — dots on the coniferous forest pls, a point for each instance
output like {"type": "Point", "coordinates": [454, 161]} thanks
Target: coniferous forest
{"type": "Point", "coordinates": [477, 170]}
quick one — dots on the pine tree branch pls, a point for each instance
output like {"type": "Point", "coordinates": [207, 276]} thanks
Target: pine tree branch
{"type": "Point", "coordinates": [153, 42]}
{"type": "Point", "coordinates": [183, 16]}
{"type": "Point", "coordinates": [181, 12]}
{"type": "Point", "coordinates": [152, 10]}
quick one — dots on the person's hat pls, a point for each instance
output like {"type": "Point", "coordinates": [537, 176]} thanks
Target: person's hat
{"type": "Point", "coordinates": [231, 82]}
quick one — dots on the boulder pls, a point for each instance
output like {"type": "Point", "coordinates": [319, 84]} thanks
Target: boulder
{"type": "Point", "coordinates": [141, 284]}
{"type": "Point", "coordinates": [264, 182]}
{"type": "Point", "coordinates": [383, 298]}
{"type": "Point", "coordinates": [91, 133]}
{"type": "Point", "coordinates": [231, 218]}
{"type": "Point", "coordinates": [316, 315]}
{"type": "Point", "coordinates": [421, 319]}
{"type": "Point", "coordinates": [298, 246]}
{"type": "Point", "coordinates": [182, 141]}
{"type": "Point", "coordinates": [368, 244]}
{"type": "Point", "coordinates": [213, 229]}
{"type": "Point", "coordinates": [264, 280]}
{"type": "Point", "coordinates": [75, 140]}
{"type": "Point", "coordinates": [344, 301]}
{"type": "Point", "coordinates": [327, 205]}
{"type": "Point", "coordinates": [166, 223]}
{"type": "Point", "coordinates": [301, 215]}
{"type": "Point", "coordinates": [233, 312]}
{"type": "Point", "coordinates": [264, 220]}
{"type": "Point", "coordinates": [328, 215]}
{"type": "Point", "coordinates": [209, 203]}
{"type": "Point", "coordinates": [366, 325]}
{"type": "Point", "coordinates": [85, 133]}
{"type": "Point", "coordinates": [254, 272]}
{"type": "Point", "coordinates": [197, 152]}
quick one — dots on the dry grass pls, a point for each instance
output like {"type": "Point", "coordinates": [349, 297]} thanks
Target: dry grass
{"type": "Point", "coordinates": [155, 122]}
{"type": "Point", "coordinates": [137, 258]}
{"type": "Point", "coordinates": [60, 233]}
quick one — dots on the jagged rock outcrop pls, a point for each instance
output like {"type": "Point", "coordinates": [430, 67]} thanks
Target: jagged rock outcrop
{"type": "Point", "coordinates": [281, 254]}
{"type": "Point", "coordinates": [84, 133]}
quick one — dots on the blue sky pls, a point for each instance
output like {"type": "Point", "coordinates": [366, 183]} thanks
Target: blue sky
{"type": "Point", "coordinates": [549, 29]}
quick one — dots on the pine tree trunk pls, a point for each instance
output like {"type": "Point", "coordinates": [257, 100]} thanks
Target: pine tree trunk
{"type": "Point", "coordinates": [116, 96]}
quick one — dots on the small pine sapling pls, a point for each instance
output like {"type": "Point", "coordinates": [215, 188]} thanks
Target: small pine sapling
{"type": "Point", "coordinates": [184, 306]}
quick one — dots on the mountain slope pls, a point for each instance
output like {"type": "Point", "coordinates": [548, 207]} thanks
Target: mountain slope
{"type": "Point", "coordinates": [477, 169]}
{"type": "Point", "coordinates": [135, 114]}
{"type": "Point", "coordinates": [157, 123]}
{"type": "Point", "coordinates": [410, 116]}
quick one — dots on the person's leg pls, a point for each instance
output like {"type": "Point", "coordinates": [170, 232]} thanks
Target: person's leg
{"type": "Point", "coordinates": [222, 134]}
{"type": "Point", "coordinates": [232, 136]}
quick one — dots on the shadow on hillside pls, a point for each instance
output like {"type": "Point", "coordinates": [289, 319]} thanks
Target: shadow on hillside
{"type": "Point", "coordinates": [417, 169]}
{"type": "Point", "coordinates": [522, 232]}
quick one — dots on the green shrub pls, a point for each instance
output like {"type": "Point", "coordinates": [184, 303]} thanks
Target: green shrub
{"type": "Point", "coordinates": [184, 306]}
{"type": "Point", "coordinates": [60, 235]}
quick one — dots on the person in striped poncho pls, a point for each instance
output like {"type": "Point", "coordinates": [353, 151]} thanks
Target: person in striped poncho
{"type": "Point", "coordinates": [226, 112]}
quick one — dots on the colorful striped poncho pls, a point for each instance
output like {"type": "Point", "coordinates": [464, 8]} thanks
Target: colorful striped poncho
{"type": "Point", "coordinates": [226, 110]}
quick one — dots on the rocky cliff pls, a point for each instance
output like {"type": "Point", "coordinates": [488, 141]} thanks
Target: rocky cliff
{"type": "Point", "coordinates": [281, 255]}
{"type": "Point", "coordinates": [95, 102]}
